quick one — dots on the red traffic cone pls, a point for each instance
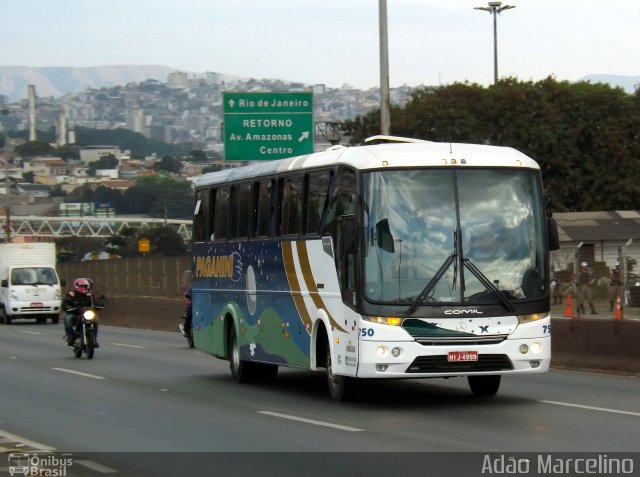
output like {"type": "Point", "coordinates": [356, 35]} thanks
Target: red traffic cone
{"type": "Point", "coordinates": [568, 310]}
{"type": "Point", "coordinates": [618, 313]}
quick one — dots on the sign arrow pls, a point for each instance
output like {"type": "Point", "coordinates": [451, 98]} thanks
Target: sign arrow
{"type": "Point", "coordinates": [303, 136]}
{"type": "Point", "coordinates": [231, 103]}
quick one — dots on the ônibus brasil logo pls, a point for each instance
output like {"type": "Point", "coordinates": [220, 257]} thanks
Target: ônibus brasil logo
{"type": "Point", "coordinates": [34, 464]}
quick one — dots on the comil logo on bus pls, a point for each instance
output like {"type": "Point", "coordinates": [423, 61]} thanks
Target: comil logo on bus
{"type": "Point", "coordinates": [220, 266]}
{"type": "Point", "coordinates": [463, 312]}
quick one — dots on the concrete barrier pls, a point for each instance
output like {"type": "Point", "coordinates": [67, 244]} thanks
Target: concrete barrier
{"type": "Point", "coordinates": [596, 344]}
{"type": "Point", "coordinates": [585, 344]}
{"type": "Point", "coordinates": [143, 312]}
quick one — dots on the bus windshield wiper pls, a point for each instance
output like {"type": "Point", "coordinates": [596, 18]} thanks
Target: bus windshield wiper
{"type": "Point", "coordinates": [482, 278]}
{"type": "Point", "coordinates": [432, 284]}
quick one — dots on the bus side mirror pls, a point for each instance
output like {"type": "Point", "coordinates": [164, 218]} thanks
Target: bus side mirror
{"type": "Point", "coordinates": [552, 230]}
{"type": "Point", "coordinates": [4, 283]}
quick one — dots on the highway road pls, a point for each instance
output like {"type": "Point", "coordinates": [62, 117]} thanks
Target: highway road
{"type": "Point", "coordinates": [147, 392]}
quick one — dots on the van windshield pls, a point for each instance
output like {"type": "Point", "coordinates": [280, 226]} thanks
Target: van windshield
{"type": "Point", "coordinates": [34, 276]}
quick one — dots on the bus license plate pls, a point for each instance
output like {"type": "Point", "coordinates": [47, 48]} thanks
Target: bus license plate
{"type": "Point", "coordinates": [455, 356]}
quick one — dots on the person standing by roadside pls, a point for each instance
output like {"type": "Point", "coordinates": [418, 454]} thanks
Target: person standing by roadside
{"type": "Point", "coordinates": [585, 277]}
{"type": "Point", "coordinates": [615, 286]}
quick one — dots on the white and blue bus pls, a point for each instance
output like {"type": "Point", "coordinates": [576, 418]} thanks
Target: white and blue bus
{"type": "Point", "coordinates": [411, 259]}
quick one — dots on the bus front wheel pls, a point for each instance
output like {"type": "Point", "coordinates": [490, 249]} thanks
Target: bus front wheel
{"type": "Point", "coordinates": [341, 388]}
{"type": "Point", "coordinates": [484, 386]}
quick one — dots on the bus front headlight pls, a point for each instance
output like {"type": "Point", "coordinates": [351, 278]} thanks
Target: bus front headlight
{"type": "Point", "coordinates": [384, 320]}
{"type": "Point", "coordinates": [533, 317]}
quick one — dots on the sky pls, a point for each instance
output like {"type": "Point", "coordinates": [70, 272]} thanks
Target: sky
{"type": "Point", "coordinates": [333, 42]}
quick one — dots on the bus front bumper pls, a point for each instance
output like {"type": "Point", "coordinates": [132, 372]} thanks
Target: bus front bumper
{"type": "Point", "coordinates": [409, 359]}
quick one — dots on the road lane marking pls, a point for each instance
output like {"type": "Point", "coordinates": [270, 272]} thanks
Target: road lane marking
{"type": "Point", "coordinates": [30, 332]}
{"type": "Point", "coordinates": [592, 408]}
{"type": "Point", "coordinates": [15, 438]}
{"type": "Point", "coordinates": [127, 345]}
{"type": "Point", "coordinates": [311, 421]}
{"type": "Point", "coordinates": [71, 371]}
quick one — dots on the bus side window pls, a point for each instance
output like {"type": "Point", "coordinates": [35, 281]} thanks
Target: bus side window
{"type": "Point", "coordinates": [262, 209]}
{"type": "Point", "coordinates": [200, 216]}
{"type": "Point", "coordinates": [240, 210]}
{"type": "Point", "coordinates": [317, 192]}
{"type": "Point", "coordinates": [291, 206]}
{"type": "Point", "coordinates": [221, 213]}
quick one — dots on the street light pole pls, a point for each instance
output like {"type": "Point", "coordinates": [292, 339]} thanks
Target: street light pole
{"type": "Point", "coordinates": [385, 98]}
{"type": "Point", "coordinates": [494, 8]}
{"type": "Point", "coordinates": [5, 150]}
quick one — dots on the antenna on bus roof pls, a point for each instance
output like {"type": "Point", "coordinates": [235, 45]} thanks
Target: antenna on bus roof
{"type": "Point", "coordinates": [381, 137]}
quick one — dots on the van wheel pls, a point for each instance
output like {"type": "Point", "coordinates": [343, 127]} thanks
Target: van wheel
{"type": "Point", "coordinates": [341, 388]}
{"type": "Point", "coordinates": [55, 319]}
{"type": "Point", "coordinates": [6, 318]}
{"type": "Point", "coordinates": [484, 386]}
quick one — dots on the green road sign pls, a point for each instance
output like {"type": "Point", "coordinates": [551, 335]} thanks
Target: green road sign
{"type": "Point", "coordinates": [264, 126]}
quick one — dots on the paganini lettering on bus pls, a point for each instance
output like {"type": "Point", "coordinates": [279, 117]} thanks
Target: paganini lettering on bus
{"type": "Point", "coordinates": [221, 266]}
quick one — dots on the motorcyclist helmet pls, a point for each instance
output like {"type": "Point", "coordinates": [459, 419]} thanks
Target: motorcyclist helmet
{"type": "Point", "coordinates": [81, 285]}
{"type": "Point", "coordinates": [90, 282]}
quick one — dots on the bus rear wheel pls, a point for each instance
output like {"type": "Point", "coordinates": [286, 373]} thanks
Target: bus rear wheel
{"type": "Point", "coordinates": [341, 388]}
{"type": "Point", "coordinates": [484, 386]}
{"type": "Point", "coordinates": [244, 371]}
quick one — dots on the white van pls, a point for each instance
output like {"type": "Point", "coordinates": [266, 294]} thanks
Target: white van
{"type": "Point", "coordinates": [29, 285]}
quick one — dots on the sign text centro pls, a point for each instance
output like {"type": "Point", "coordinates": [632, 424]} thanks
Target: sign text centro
{"type": "Point", "coordinates": [264, 126]}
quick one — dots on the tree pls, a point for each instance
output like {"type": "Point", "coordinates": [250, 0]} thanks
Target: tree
{"type": "Point", "coordinates": [28, 176]}
{"type": "Point", "coordinates": [198, 156]}
{"type": "Point", "coordinates": [34, 148]}
{"type": "Point", "coordinates": [164, 241]}
{"type": "Point", "coordinates": [584, 136]}
{"type": "Point", "coordinates": [212, 168]}
{"type": "Point", "coordinates": [169, 164]}
{"type": "Point", "coordinates": [108, 161]}
{"type": "Point", "coordinates": [137, 143]}
{"type": "Point", "coordinates": [157, 195]}
{"type": "Point", "coordinates": [67, 152]}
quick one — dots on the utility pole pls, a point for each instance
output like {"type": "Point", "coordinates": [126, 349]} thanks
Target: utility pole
{"type": "Point", "coordinates": [494, 8]}
{"type": "Point", "coordinates": [385, 99]}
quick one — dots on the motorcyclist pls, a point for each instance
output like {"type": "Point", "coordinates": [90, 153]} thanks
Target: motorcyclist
{"type": "Point", "coordinates": [80, 297]}
{"type": "Point", "coordinates": [188, 314]}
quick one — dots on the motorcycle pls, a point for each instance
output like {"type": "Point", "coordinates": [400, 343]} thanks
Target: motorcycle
{"type": "Point", "coordinates": [84, 330]}
{"type": "Point", "coordinates": [186, 332]}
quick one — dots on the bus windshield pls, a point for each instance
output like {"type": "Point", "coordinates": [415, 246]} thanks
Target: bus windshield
{"type": "Point", "coordinates": [458, 236]}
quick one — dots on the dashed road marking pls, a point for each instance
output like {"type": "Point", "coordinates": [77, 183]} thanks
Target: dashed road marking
{"type": "Point", "coordinates": [311, 421]}
{"type": "Point", "coordinates": [78, 373]}
{"type": "Point", "coordinates": [127, 345]}
{"type": "Point", "coordinates": [592, 408]}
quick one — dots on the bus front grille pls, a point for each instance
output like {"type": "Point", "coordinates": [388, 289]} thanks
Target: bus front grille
{"type": "Point", "coordinates": [461, 340]}
{"type": "Point", "coordinates": [439, 364]}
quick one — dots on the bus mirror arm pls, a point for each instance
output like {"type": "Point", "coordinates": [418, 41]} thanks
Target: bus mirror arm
{"type": "Point", "coordinates": [554, 238]}
{"type": "Point", "coordinates": [349, 235]}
